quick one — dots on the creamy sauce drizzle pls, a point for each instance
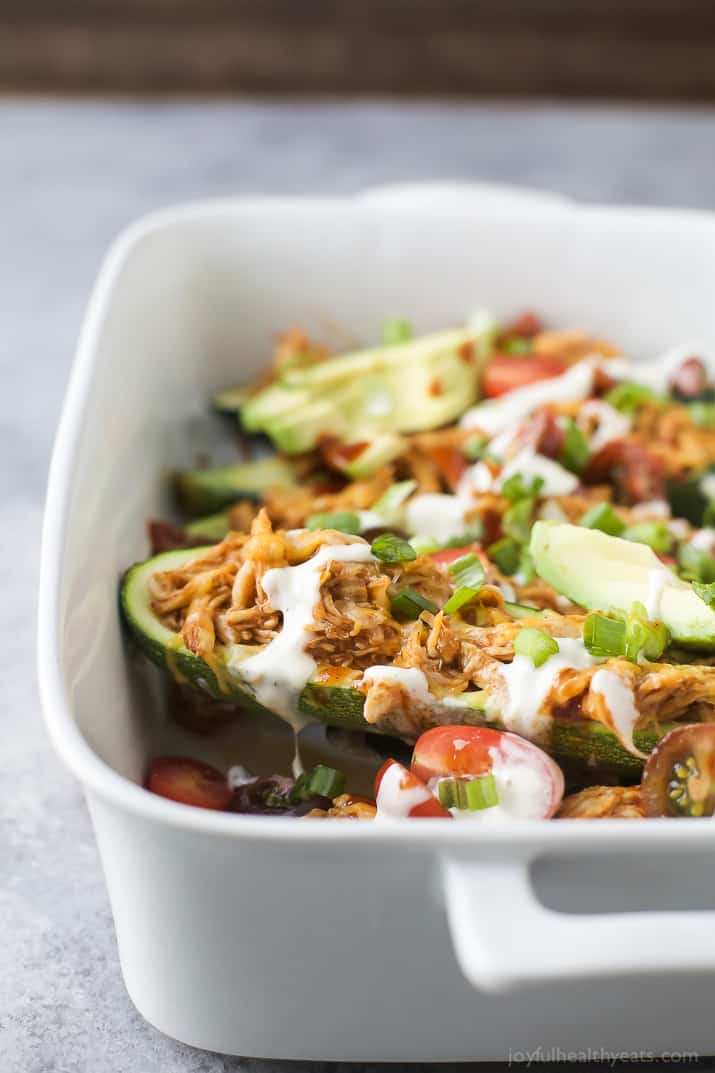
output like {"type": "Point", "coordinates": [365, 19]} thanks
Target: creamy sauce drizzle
{"type": "Point", "coordinates": [279, 671]}
{"type": "Point", "coordinates": [495, 417]}
{"type": "Point", "coordinates": [612, 425]}
{"type": "Point", "coordinates": [618, 698]}
{"type": "Point", "coordinates": [704, 540]}
{"type": "Point", "coordinates": [528, 686]}
{"type": "Point", "coordinates": [441, 517]}
{"type": "Point", "coordinates": [658, 581]}
{"type": "Point", "coordinates": [394, 801]}
{"type": "Point", "coordinates": [557, 480]}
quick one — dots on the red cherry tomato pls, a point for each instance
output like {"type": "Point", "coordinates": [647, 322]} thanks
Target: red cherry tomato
{"type": "Point", "coordinates": [505, 372]}
{"type": "Point", "coordinates": [679, 775]}
{"type": "Point", "coordinates": [453, 751]}
{"type": "Point", "coordinates": [448, 555]}
{"type": "Point", "coordinates": [399, 793]}
{"type": "Point", "coordinates": [189, 781]}
{"type": "Point", "coordinates": [526, 325]}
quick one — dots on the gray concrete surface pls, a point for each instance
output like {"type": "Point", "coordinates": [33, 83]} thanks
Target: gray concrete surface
{"type": "Point", "coordinates": [71, 175]}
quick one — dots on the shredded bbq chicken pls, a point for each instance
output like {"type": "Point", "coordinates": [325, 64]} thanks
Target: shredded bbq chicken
{"type": "Point", "coordinates": [603, 803]}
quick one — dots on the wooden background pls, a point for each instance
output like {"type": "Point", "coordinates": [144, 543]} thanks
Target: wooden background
{"type": "Point", "coordinates": [661, 49]}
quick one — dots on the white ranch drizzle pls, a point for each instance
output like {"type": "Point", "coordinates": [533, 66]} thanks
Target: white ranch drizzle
{"type": "Point", "coordinates": [557, 480]}
{"type": "Point", "coordinates": [657, 373]}
{"type": "Point", "coordinates": [394, 801]}
{"type": "Point", "coordinates": [494, 417]}
{"type": "Point", "coordinates": [441, 517]}
{"type": "Point", "coordinates": [658, 581]}
{"type": "Point", "coordinates": [528, 686]}
{"type": "Point", "coordinates": [612, 425]}
{"type": "Point", "coordinates": [707, 486]}
{"type": "Point", "coordinates": [523, 791]}
{"type": "Point", "coordinates": [704, 540]}
{"type": "Point", "coordinates": [618, 698]}
{"type": "Point", "coordinates": [652, 508]}
{"type": "Point", "coordinates": [280, 670]}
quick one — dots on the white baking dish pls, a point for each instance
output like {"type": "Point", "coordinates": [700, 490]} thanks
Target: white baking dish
{"type": "Point", "coordinates": [355, 941]}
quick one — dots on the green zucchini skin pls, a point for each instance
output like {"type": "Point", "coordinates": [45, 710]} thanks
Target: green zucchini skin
{"type": "Point", "coordinates": [206, 491]}
{"type": "Point", "coordinates": [574, 744]}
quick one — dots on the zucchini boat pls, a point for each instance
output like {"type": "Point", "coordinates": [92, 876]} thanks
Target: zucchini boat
{"type": "Point", "coordinates": [205, 491]}
{"type": "Point", "coordinates": [330, 696]}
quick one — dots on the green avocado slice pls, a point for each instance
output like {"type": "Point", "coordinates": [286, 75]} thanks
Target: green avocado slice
{"type": "Point", "coordinates": [408, 387]}
{"type": "Point", "coordinates": [330, 697]}
{"type": "Point", "coordinates": [603, 573]}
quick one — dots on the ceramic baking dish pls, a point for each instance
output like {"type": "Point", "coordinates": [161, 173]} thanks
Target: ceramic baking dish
{"type": "Point", "coordinates": [295, 939]}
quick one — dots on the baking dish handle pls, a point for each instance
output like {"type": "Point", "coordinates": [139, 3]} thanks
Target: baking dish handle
{"type": "Point", "coordinates": [504, 938]}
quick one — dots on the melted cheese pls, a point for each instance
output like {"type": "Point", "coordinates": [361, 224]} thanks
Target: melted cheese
{"type": "Point", "coordinates": [527, 686]}
{"type": "Point", "coordinates": [279, 671]}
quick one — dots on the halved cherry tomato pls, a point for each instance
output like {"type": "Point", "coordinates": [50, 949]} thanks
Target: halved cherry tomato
{"type": "Point", "coordinates": [505, 372]}
{"type": "Point", "coordinates": [450, 462]}
{"type": "Point", "coordinates": [690, 379]}
{"type": "Point", "coordinates": [679, 775]}
{"type": "Point", "coordinates": [189, 781]}
{"type": "Point", "coordinates": [399, 793]}
{"type": "Point", "coordinates": [458, 751]}
{"type": "Point", "coordinates": [448, 555]}
{"type": "Point", "coordinates": [526, 325]}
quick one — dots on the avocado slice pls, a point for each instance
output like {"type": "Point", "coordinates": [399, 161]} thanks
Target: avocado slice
{"type": "Point", "coordinates": [205, 491]}
{"type": "Point", "coordinates": [420, 384]}
{"type": "Point", "coordinates": [604, 573]}
{"type": "Point", "coordinates": [330, 696]}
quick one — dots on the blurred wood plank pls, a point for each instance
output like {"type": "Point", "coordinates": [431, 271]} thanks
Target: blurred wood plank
{"type": "Point", "coordinates": [660, 49]}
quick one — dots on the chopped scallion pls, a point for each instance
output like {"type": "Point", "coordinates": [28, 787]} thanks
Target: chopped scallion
{"type": "Point", "coordinates": [604, 636]}
{"type": "Point", "coordinates": [535, 644]}
{"type": "Point", "coordinates": [467, 570]}
{"type": "Point", "coordinates": [628, 396]}
{"type": "Point", "coordinates": [424, 545]}
{"type": "Point", "coordinates": [603, 517]}
{"type": "Point", "coordinates": [390, 548]}
{"type": "Point", "coordinates": [459, 598]}
{"type": "Point", "coordinates": [320, 781]}
{"type": "Point", "coordinates": [506, 554]}
{"type": "Point", "coordinates": [391, 500]}
{"type": "Point", "coordinates": [396, 330]}
{"type": "Point", "coordinates": [515, 487]}
{"type": "Point", "coordinates": [695, 565]}
{"type": "Point", "coordinates": [474, 449]}
{"type": "Point", "coordinates": [523, 610]}
{"type": "Point", "coordinates": [409, 604]}
{"type": "Point", "coordinates": [343, 521]}
{"type": "Point", "coordinates": [470, 795]}
{"type": "Point", "coordinates": [517, 345]}
{"type": "Point", "coordinates": [656, 535]}
{"type": "Point", "coordinates": [575, 452]}
{"type": "Point", "coordinates": [517, 519]}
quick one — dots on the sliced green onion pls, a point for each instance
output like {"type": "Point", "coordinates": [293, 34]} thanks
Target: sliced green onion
{"type": "Point", "coordinates": [524, 611]}
{"type": "Point", "coordinates": [424, 545]}
{"type": "Point", "coordinates": [656, 535]}
{"type": "Point", "coordinates": [604, 636]}
{"type": "Point", "coordinates": [409, 604]}
{"type": "Point", "coordinates": [467, 570]}
{"type": "Point", "coordinates": [474, 449]}
{"type": "Point", "coordinates": [389, 548]}
{"type": "Point", "coordinates": [343, 521]}
{"type": "Point", "coordinates": [515, 488]}
{"type": "Point", "coordinates": [644, 637]}
{"type": "Point", "coordinates": [628, 396]}
{"type": "Point", "coordinates": [702, 414]}
{"type": "Point", "coordinates": [695, 565]}
{"type": "Point", "coordinates": [517, 345]}
{"type": "Point", "coordinates": [705, 592]}
{"type": "Point", "coordinates": [396, 330]}
{"type": "Point", "coordinates": [506, 554]}
{"type": "Point", "coordinates": [459, 598]}
{"type": "Point", "coordinates": [603, 517]}
{"type": "Point", "coordinates": [392, 499]}
{"type": "Point", "coordinates": [535, 644]}
{"type": "Point", "coordinates": [517, 519]}
{"type": "Point", "coordinates": [575, 453]}
{"type": "Point", "coordinates": [471, 795]}
{"type": "Point", "coordinates": [321, 781]}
